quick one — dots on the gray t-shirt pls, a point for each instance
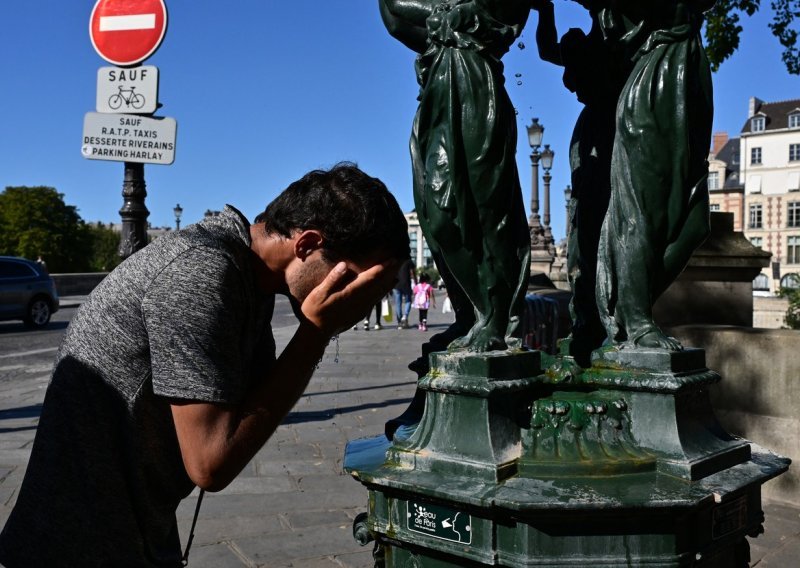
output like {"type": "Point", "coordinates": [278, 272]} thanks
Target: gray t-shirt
{"type": "Point", "coordinates": [181, 319]}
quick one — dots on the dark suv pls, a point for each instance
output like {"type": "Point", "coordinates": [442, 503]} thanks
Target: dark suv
{"type": "Point", "coordinates": [27, 292]}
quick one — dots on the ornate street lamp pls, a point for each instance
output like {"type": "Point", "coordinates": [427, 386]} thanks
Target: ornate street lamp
{"type": "Point", "coordinates": [178, 211]}
{"type": "Point", "coordinates": [535, 135]}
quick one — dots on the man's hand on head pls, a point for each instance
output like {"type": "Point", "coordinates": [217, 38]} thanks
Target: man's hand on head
{"type": "Point", "coordinates": [344, 296]}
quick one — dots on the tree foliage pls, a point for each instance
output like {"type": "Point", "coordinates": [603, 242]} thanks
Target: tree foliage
{"type": "Point", "coordinates": [35, 221]}
{"type": "Point", "coordinates": [105, 247]}
{"type": "Point", "coordinates": [723, 29]}
{"type": "Point", "coordinates": [793, 313]}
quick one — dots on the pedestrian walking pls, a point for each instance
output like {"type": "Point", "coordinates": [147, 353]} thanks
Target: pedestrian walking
{"type": "Point", "coordinates": [424, 298]}
{"type": "Point", "coordinates": [406, 279]}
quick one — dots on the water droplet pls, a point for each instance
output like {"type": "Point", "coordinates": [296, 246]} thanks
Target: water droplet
{"type": "Point", "coordinates": [521, 45]}
{"type": "Point", "coordinates": [517, 75]}
{"type": "Point", "coordinates": [516, 112]}
{"type": "Point", "coordinates": [519, 82]}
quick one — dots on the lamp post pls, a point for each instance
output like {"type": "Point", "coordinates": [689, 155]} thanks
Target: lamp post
{"type": "Point", "coordinates": [535, 135]}
{"type": "Point", "coordinates": [547, 164]}
{"type": "Point", "coordinates": [134, 212]}
{"type": "Point", "coordinates": [178, 211]}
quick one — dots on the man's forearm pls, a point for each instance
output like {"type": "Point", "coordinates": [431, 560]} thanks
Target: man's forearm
{"type": "Point", "coordinates": [218, 441]}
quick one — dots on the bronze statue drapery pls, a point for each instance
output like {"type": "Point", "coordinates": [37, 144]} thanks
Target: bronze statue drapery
{"type": "Point", "coordinates": [463, 147]}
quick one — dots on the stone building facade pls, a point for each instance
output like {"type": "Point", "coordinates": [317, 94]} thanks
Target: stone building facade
{"type": "Point", "coordinates": [757, 178]}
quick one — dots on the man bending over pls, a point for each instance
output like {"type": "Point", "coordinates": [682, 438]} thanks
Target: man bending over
{"type": "Point", "coordinates": [167, 377]}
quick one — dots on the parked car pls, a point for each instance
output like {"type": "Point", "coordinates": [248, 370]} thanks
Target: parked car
{"type": "Point", "coordinates": [27, 292]}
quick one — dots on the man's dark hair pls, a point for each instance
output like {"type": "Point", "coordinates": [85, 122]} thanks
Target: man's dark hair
{"type": "Point", "coordinates": [355, 213]}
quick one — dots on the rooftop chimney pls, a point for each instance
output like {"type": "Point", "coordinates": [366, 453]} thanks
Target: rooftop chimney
{"type": "Point", "coordinates": [720, 139]}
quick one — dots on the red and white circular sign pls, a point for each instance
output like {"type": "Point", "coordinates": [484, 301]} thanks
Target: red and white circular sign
{"type": "Point", "coordinates": [126, 32]}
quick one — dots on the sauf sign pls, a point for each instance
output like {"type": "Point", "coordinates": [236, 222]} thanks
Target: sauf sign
{"type": "Point", "coordinates": [125, 33]}
{"type": "Point", "coordinates": [124, 138]}
{"type": "Point", "coordinates": [132, 90]}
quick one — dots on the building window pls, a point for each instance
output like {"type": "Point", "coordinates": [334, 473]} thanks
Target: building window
{"type": "Point", "coordinates": [793, 219]}
{"type": "Point", "coordinates": [794, 120]}
{"type": "Point", "coordinates": [790, 281]}
{"type": "Point", "coordinates": [758, 124]}
{"type": "Point", "coordinates": [756, 241]}
{"type": "Point", "coordinates": [755, 156]}
{"type": "Point", "coordinates": [794, 152]}
{"type": "Point", "coordinates": [713, 180]}
{"type": "Point", "coordinates": [755, 216]}
{"type": "Point", "coordinates": [761, 283]}
{"type": "Point", "coordinates": [793, 250]}
{"type": "Point", "coordinates": [714, 207]}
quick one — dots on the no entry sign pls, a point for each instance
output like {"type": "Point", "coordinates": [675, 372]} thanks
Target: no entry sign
{"type": "Point", "coordinates": [126, 32]}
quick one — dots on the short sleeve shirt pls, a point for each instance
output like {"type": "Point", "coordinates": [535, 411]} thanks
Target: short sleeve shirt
{"type": "Point", "coordinates": [181, 319]}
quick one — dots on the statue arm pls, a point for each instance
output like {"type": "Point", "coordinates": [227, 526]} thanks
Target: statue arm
{"type": "Point", "coordinates": [546, 32]}
{"type": "Point", "coordinates": [405, 20]}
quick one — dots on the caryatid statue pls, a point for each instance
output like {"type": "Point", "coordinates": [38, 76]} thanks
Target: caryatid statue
{"type": "Point", "coordinates": [658, 212]}
{"type": "Point", "coordinates": [463, 148]}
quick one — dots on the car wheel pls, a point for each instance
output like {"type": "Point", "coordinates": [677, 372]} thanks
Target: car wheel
{"type": "Point", "coordinates": [38, 313]}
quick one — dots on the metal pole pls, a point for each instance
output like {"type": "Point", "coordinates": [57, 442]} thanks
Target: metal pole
{"type": "Point", "coordinates": [134, 213]}
{"type": "Point", "coordinates": [534, 222]}
{"type": "Point", "coordinates": [547, 178]}
{"type": "Point", "coordinates": [549, 241]}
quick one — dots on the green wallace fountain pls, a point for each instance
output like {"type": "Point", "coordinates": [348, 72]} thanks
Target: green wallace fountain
{"type": "Point", "coordinates": [608, 454]}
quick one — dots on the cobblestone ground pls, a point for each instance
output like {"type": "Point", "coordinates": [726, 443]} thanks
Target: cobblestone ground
{"type": "Point", "coordinates": [292, 506]}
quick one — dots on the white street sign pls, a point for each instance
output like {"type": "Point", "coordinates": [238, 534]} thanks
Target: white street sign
{"type": "Point", "coordinates": [133, 90]}
{"type": "Point", "coordinates": [129, 138]}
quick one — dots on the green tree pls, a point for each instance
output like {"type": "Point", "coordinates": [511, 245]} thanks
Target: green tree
{"type": "Point", "coordinates": [105, 245]}
{"type": "Point", "coordinates": [793, 313]}
{"type": "Point", "coordinates": [723, 29]}
{"type": "Point", "coordinates": [35, 221]}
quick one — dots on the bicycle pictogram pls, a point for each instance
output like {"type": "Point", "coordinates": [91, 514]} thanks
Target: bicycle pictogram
{"type": "Point", "coordinates": [128, 96]}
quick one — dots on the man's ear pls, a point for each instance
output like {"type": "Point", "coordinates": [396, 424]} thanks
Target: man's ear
{"type": "Point", "coordinates": [307, 242]}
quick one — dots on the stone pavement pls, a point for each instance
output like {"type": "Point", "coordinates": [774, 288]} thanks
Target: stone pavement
{"type": "Point", "coordinates": [293, 506]}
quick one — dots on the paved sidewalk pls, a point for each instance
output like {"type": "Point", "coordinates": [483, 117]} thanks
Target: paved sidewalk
{"type": "Point", "coordinates": [292, 506]}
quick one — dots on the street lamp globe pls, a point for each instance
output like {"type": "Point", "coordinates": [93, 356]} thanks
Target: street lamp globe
{"type": "Point", "coordinates": [178, 211]}
{"type": "Point", "coordinates": [535, 133]}
{"type": "Point", "coordinates": [547, 158]}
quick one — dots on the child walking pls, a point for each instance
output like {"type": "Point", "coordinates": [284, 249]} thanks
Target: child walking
{"type": "Point", "coordinates": [423, 298]}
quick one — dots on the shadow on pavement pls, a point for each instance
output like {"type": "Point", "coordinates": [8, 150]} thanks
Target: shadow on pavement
{"type": "Point", "coordinates": [33, 411]}
{"type": "Point", "coordinates": [322, 415]}
{"type": "Point", "coordinates": [376, 387]}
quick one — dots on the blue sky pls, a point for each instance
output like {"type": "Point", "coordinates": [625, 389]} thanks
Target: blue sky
{"type": "Point", "coordinates": [264, 90]}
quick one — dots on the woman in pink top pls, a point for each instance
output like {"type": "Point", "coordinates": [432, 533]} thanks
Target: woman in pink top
{"type": "Point", "coordinates": [423, 298]}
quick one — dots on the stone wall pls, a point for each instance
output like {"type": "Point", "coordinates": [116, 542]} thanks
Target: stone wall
{"type": "Point", "coordinates": [77, 284]}
{"type": "Point", "coordinates": [759, 395]}
{"type": "Point", "coordinates": [769, 312]}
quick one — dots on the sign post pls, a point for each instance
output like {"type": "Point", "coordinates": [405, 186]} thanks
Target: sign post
{"type": "Point", "coordinates": [125, 33]}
